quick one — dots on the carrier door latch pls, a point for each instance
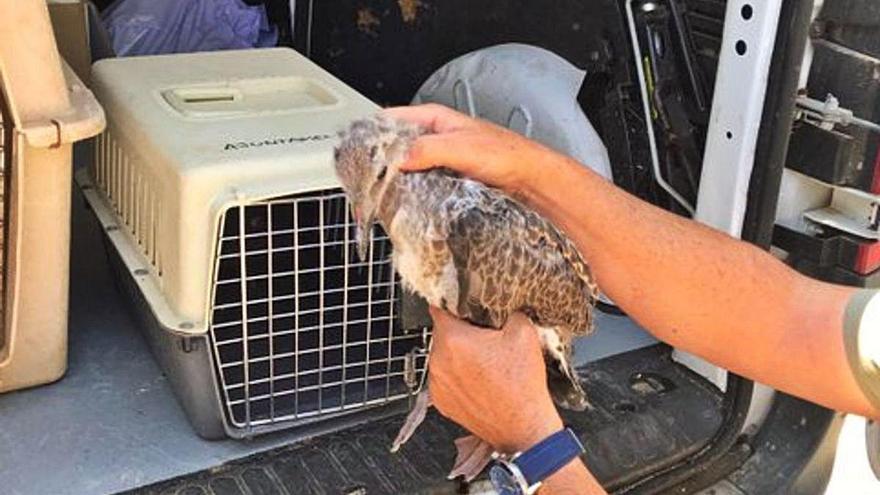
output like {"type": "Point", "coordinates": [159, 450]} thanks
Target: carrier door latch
{"type": "Point", "coordinates": [410, 364]}
{"type": "Point", "coordinates": [409, 371]}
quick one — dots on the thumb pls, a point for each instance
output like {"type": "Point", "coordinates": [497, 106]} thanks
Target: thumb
{"type": "Point", "coordinates": [520, 328]}
{"type": "Point", "coordinates": [439, 316]}
{"type": "Point", "coordinates": [433, 117]}
{"type": "Point", "coordinates": [449, 328]}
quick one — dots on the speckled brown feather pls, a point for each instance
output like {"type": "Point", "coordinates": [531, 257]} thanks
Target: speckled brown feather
{"type": "Point", "coordinates": [521, 263]}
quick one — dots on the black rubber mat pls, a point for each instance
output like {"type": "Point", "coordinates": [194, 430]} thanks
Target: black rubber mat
{"type": "Point", "coordinates": [649, 412]}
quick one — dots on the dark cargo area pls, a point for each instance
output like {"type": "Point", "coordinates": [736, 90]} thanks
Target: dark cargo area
{"type": "Point", "coordinates": [114, 425]}
{"type": "Point", "coordinates": [651, 414]}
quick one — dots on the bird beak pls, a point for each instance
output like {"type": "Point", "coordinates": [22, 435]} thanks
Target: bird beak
{"type": "Point", "coordinates": [363, 233]}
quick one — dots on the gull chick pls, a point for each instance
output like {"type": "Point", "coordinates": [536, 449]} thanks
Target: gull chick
{"type": "Point", "coordinates": [471, 250]}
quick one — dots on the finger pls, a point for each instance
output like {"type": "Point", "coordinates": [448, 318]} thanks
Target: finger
{"type": "Point", "coordinates": [518, 321]}
{"type": "Point", "coordinates": [422, 115]}
{"type": "Point", "coordinates": [438, 315]}
{"type": "Point", "coordinates": [431, 116]}
{"type": "Point", "coordinates": [459, 151]}
{"type": "Point", "coordinates": [419, 156]}
{"type": "Point", "coordinates": [448, 328]}
{"type": "Point", "coordinates": [520, 327]}
{"type": "Point", "coordinates": [444, 322]}
{"type": "Point", "coordinates": [446, 398]}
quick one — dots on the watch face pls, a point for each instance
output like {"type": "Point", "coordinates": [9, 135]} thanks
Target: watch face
{"type": "Point", "coordinates": [503, 481]}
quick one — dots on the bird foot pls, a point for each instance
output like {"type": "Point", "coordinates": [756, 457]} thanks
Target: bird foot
{"type": "Point", "coordinates": [472, 457]}
{"type": "Point", "coordinates": [413, 420]}
{"type": "Point", "coordinates": [572, 400]}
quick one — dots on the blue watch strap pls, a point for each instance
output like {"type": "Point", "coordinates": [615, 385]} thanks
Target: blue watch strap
{"type": "Point", "coordinates": [548, 456]}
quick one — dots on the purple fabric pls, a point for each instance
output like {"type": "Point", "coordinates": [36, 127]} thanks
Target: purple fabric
{"type": "Point", "coordinates": [149, 27]}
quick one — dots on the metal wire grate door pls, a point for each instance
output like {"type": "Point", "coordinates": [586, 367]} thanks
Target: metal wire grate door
{"type": "Point", "coordinates": [300, 327]}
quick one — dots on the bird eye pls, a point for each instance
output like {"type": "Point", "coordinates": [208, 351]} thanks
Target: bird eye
{"type": "Point", "coordinates": [382, 173]}
{"type": "Point", "coordinates": [336, 153]}
{"type": "Point", "coordinates": [373, 151]}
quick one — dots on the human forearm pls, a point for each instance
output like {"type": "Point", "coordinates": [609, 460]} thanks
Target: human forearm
{"type": "Point", "coordinates": [741, 308]}
{"type": "Point", "coordinates": [640, 255]}
{"type": "Point", "coordinates": [696, 288]}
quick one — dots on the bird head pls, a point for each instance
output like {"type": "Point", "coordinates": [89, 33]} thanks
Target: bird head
{"type": "Point", "coordinates": [366, 160]}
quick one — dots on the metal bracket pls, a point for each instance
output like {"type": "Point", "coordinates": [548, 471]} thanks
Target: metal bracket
{"type": "Point", "coordinates": [851, 210]}
{"type": "Point", "coordinates": [828, 114]}
{"type": "Point", "coordinates": [808, 205]}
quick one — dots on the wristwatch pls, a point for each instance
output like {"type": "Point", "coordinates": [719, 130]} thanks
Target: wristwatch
{"type": "Point", "coordinates": [523, 472]}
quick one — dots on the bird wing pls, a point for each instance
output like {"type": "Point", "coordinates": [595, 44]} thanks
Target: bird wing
{"type": "Point", "coordinates": [477, 281]}
{"type": "Point", "coordinates": [505, 255]}
{"type": "Point", "coordinates": [570, 252]}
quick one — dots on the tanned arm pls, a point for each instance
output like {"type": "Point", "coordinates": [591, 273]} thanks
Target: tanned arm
{"type": "Point", "coordinates": [705, 292]}
{"type": "Point", "coordinates": [693, 287]}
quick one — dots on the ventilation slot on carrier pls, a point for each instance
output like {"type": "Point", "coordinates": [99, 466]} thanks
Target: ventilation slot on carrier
{"type": "Point", "coordinates": [131, 195]}
{"type": "Point", "coordinates": [300, 327]}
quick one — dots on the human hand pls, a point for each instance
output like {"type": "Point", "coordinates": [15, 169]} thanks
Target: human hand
{"type": "Point", "coordinates": [492, 382]}
{"type": "Point", "coordinates": [476, 148]}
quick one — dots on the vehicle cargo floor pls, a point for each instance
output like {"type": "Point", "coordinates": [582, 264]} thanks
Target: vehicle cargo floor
{"type": "Point", "coordinates": [112, 424]}
{"type": "Point", "coordinates": [638, 424]}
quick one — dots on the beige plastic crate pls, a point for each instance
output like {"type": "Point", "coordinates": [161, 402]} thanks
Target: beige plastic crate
{"type": "Point", "coordinates": [45, 108]}
{"type": "Point", "coordinates": [230, 234]}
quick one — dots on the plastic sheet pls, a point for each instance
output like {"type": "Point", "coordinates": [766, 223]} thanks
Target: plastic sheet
{"type": "Point", "coordinates": [149, 27]}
